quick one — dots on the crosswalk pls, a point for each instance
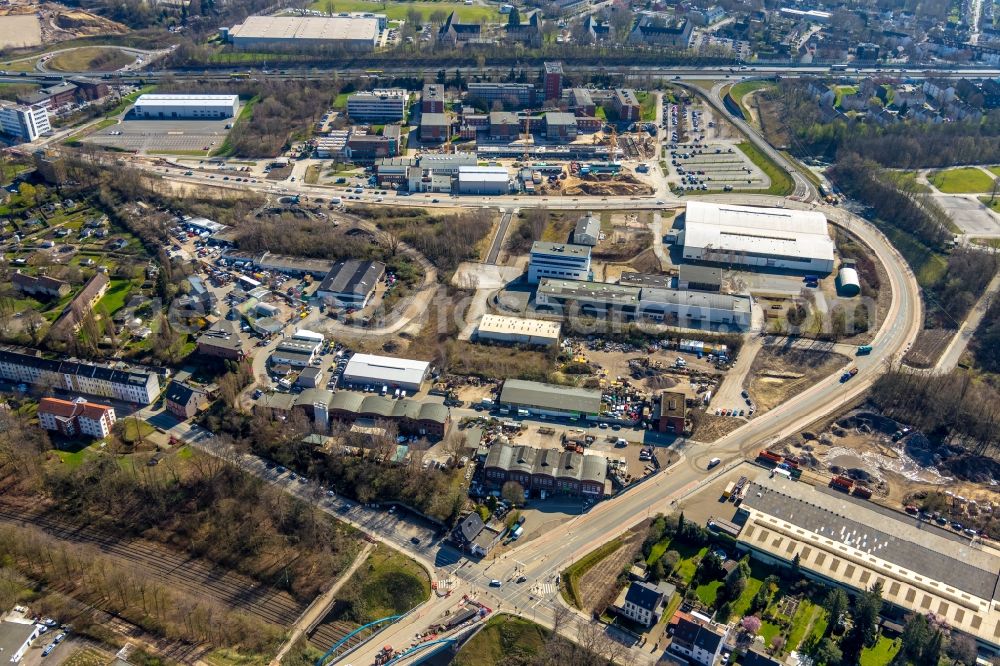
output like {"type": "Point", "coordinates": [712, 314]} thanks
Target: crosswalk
{"type": "Point", "coordinates": [444, 584]}
{"type": "Point", "coordinates": [544, 589]}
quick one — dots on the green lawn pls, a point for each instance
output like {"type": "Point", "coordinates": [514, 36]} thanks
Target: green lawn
{"type": "Point", "coordinates": [928, 266]}
{"type": "Point", "coordinates": [744, 88]}
{"type": "Point", "coordinates": [880, 655]}
{"type": "Point", "coordinates": [503, 638]}
{"type": "Point", "coordinates": [843, 90]}
{"type": "Point", "coordinates": [114, 298]}
{"type": "Point", "coordinates": [707, 592]}
{"type": "Point", "coordinates": [600, 113]}
{"type": "Point", "coordinates": [995, 170]}
{"type": "Point", "coordinates": [244, 116]}
{"type": "Point", "coordinates": [340, 102]}
{"type": "Point", "coordinates": [136, 429]}
{"type": "Point", "coordinates": [96, 58]}
{"type": "Point", "coordinates": [807, 614]}
{"type": "Point", "coordinates": [781, 182]}
{"type": "Point", "coordinates": [740, 607]}
{"type": "Point", "coordinates": [129, 99]}
{"type": "Point", "coordinates": [398, 10]}
{"type": "Point", "coordinates": [907, 180]}
{"type": "Point", "coordinates": [73, 459]}
{"type": "Point", "coordinates": [388, 583]}
{"type": "Point", "coordinates": [647, 106]}
{"type": "Point", "coordinates": [964, 180]}
{"type": "Point", "coordinates": [769, 631]}
{"type": "Point", "coordinates": [688, 563]}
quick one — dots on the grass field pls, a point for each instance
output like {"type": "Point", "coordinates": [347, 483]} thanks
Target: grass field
{"type": "Point", "coordinates": [964, 180]}
{"type": "Point", "coordinates": [388, 583]}
{"type": "Point", "coordinates": [86, 657]}
{"type": "Point", "coordinates": [503, 639]}
{"type": "Point", "coordinates": [136, 430]}
{"type": "Point", "coordinates": [880, 655]}
{"type": "Point", "coordinates": [907, 180]}
{"type": "Point", "coordinates": [707, 592]}
{"type": "Point", "coordinates": [647, 106]}
{"type": "Point", "coordinates": [114, 298]}
{"type": "Point", "coordinates": [744, 88]}
{"type": "Point", "coordinates": [399, 10]}
{"type": "Point", "coordinates": [840, 91]}
{"type": "Point", "coordinates": [781, 182]}
{"type": "Point", "coordinates": [995, 170]}
{"type": "Point", "coordinates": [90, 58]}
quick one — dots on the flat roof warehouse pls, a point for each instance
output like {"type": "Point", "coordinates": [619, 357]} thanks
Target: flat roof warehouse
{"type": "Point", "coordinates": [307, 27]}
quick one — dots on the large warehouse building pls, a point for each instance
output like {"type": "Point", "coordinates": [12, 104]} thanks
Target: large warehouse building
{"type": "Point", "coordinates": [350, 33]}
{"type": "Point", "coordinates": [550, 399]}
{"type": "Point", "coordinates": [186, 107]}
{"type": "Point", "coordinates": [378, 371]}
{"type": "Point", "coordinates": [854, 543]}
{"type": "Point", "coordinates": [766, 237]}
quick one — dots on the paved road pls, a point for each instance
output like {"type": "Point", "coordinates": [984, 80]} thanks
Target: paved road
{"type": "Point", "coordinates": [540, 560]}
{"type": "Point", "coordinates": [501, 235]}
{"type": "Point", "coordinates": [953, 352]}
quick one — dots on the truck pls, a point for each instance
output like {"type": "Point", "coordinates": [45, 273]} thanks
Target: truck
{"type": "Point", "coordinates": [842, 483]}
{"type": "Point", "coordinates": [864, 349]}
{"type": "Point", "coordinates": [728, 492]}
{"type": "Point", "coordinates": [848, 374]}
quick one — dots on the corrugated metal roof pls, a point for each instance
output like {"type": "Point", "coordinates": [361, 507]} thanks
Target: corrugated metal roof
{"type": "Point", "coordinates": [550, 396]}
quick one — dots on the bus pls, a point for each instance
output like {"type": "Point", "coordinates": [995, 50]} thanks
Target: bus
{"type": "Point", "coordinates": [838, 68]}
{"type": "Point", "coordinates": [864, 349]}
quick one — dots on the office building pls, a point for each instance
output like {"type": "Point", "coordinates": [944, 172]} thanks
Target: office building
{"type": "Point", "coordinates": [670, 412]}
{"type": "Point", "coordinates": [518, 330]}
{"type": "Point", "coordinates": [432, 98]}
{"type": "Point", "coordinates": [185, 107]}
{"type": "Point", "coordinates": [625, 104]}
{"type": "Point", "coordinates": [131, 385]}
{"type": "Point", "coordinates": [24, 123]}
{"type": "Point", "coordinates": [581, 102]}
{"type": "Point", "coordinates": [348, 33]}
{"type": "Point", "coordinates": [560, 126]}
{"type": "Point", "coordinates": [653, 30]}
{"type": "Point", "coordinates": [558, 260]}
{"type": "Point", "coordinates": [761, 237]}
{"type": "Point", "coordinates": [77, 417]}
{"type": "Point", "coordinates": [381, 105]}
{"type": "Point", "coordinates": [376, 371]}
{"type": "Point", "coordinates": [589, 297]}
{"type": "Point", "coordinates": [434, 127]}
{"type": "Point", "coordinates": [351, 283]}
{"type": "Point", "coordinates": [553, 81]}
{"type": "Point", "coordinates": [511, 95]}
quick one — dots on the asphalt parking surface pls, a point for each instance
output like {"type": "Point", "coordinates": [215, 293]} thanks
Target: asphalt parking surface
{"type": "Point", "coordinates": [163, 136]}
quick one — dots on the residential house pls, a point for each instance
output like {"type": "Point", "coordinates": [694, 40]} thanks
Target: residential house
{"type": "Point", "coordinates": [16, 638]}
{"type": "Point", "coordinates": [474, 536]}
{"type": "Point", "coordinates": [183, 401]}
{"type": "Point", "coordinates": [596, 29]}
{"type": "Point", "coordinates": [77, 417]}
{"type": "Point", "coordinates": [42, 285]}
{"type": "Point", "coordinates": [643, 602]}
{"type": "Point", "coordinates": [72, 317]}
{"type": "Point", "coordinates": [696, 637]}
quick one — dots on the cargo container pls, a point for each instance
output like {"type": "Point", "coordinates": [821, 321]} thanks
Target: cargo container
{"type": "Point", "coordinates": [769, 456]}
{"type": "Point", "coordinates": [727, 493]}
{"type": "Point", "coordinates": [842, 483]}
{"type": "Point", "coordinates": [862, 492]}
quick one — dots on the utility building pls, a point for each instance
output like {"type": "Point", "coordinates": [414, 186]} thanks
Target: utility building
{"type": "Point", "coordinates": [550, 399]}
{"type": "Point", "coordinates": [483, 180]}
{"type": "Point", "coordinates": [518, 330]}
{"type": "Point", "coordinates": [350, 33]}
{"type": "Point", "coordinates": [760, 237]}
{"type": "Point", "coordinates": [351, 283]}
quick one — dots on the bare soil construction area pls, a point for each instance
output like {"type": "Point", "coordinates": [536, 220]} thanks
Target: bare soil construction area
{"type": "Point", "coordinates": [927, 349]}
{"type": "Point", "coordinates": [896, 463]}
{"type": "Point", "coordinates": [780, 372]}
{"type": "Point", "coordinates": [20, 31]}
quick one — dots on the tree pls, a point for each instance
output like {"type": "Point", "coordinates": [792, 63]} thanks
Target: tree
{"type": "Point", "coordinates": [514, 18]}
{"type": "Point", "coordinates": [734, 585]}
{"type": "Point", "coordinates": [962, 649]}
{"type": "Point", "coordinates": [995, 190]}
{"type": "Point", "coordinates": [513, 492]}
{"type": "Point", "coordinates": [28, 193]}
{"type": "Point", "coordinates": [835, 606]}
{"type": "Point", "coordinates": [670, 560]}
{"type": "Point", "coordinates": [750, 624]}
{"type": "Point", "coordinates": [864, 627]}
{"type": "Point", "coordinates": [915, 638]}
{"type": "Point", "coordinates": [827, 653]}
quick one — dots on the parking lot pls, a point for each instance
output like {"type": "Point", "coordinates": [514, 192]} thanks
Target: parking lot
{"type": "Point", "coordinates": [163, 136]}
{"type": "Point", "coordinates": [713, 167]}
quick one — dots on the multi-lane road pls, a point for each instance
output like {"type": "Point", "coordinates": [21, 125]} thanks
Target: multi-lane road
{"type": "Point", "coordinates": [540, 560]}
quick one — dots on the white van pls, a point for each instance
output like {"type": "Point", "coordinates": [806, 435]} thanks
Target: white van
{"type": "Point", "coordinates": [713, 462]}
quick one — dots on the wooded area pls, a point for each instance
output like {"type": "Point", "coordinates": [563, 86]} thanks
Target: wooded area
{"type": "Point", "coordinates": [905, 145]}
{"type": "Point", "coordinates": [954, 408]}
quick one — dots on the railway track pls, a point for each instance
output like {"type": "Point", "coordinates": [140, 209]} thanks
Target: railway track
{"type": "Point", "coordinates": [194, 576]}
{"type": "Point", "coordinates": [327, 634]}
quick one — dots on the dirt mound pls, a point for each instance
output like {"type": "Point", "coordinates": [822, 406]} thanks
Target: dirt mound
{"type": "Point", "coordinates": [622, 184]}
{"type": "Point", "coordinates": [968, 467]}
{"type": "Point", "coordinates": [84, 23]}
